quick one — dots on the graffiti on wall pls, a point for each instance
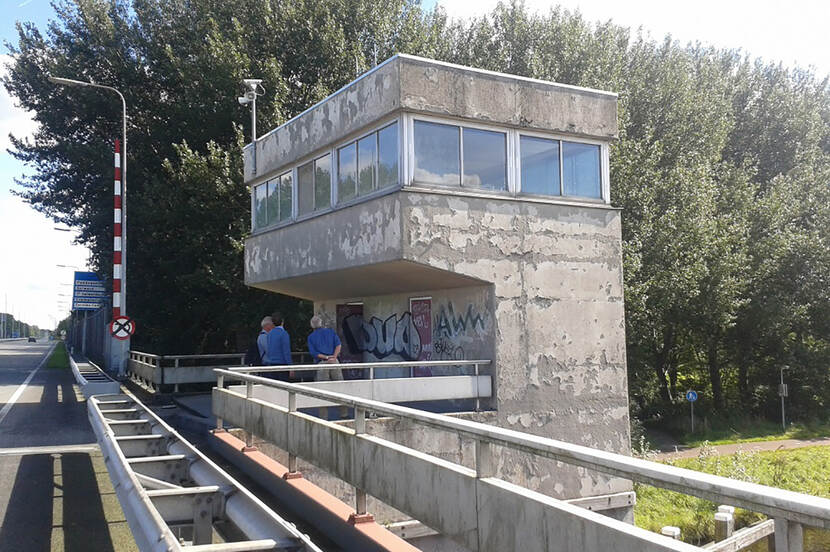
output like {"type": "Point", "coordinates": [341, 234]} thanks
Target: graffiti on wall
{"type": "Point", "coordinates": [408, 335]}
{"type": "Point", "coordinates": [395, 335]}
{"type": "Point", "coordinates": [448, 324]}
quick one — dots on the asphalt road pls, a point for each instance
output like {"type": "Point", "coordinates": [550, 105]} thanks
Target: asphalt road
{"type": "Point", "coordinates": [55, 492]}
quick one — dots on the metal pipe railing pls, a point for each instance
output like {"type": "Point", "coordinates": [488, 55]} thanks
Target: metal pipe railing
{"type": "Point", "coordinates": [777, 503]}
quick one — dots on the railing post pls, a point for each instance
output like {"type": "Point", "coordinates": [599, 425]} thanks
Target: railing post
{"type": "Point", "coordinates": [478, 391]}
{"type": "Point", "coordinates": [359, 420]}
{"type": "Point", "coordinates": [485, 467]}
{"type": "Point", "coordinates": [249, 435]}
{"type": "Point", "coordinates": [220, 383]}
{"type": "Point", "coordinates": [724, 525]}
{"type": "Point", "coordinates": [292, 458]}
{"type": "Point", "coordinates": [789, 536]}
{"type": "Point", "coordinates": [371, 372]}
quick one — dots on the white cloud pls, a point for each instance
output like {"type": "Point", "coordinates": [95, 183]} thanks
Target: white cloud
{"type": "Point", "coordinates": [793, 32]}
{"type": "Point", "coordinates": [12, 118]}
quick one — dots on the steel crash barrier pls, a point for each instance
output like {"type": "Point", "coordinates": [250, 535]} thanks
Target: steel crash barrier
{"type": "Point", "coordinates": [91, 379]}
{"type": "Point", "coordinates": [175, 498]}
{"type": "Point", "coordinates": [473, 507]}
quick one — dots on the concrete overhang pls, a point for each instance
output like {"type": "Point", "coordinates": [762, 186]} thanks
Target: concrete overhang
{"type": "Point", "coordinates": [405, 83]}
{"type": "Point", "coordinates": [377, 279]}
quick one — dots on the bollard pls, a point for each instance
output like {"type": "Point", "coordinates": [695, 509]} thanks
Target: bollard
{"type": "Point", "coordinates": [671, 532]}
{"type": "Point", "coordinates": [724, 525]}
{"type": "Point", "coordinates": [726, 509]}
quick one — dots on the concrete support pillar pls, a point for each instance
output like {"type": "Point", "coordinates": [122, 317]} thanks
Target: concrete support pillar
{"type": "Point", "coordinates": [485, 466]}
{"type": "Point", "coordinates": [789, 536]}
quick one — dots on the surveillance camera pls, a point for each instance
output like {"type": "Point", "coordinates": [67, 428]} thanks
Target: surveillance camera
{"type": "Point", "coordinates": [243, 100]}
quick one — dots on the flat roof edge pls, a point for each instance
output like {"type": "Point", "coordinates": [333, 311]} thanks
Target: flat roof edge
{"type": "Point", "coordinates": [429, 61]}
{"type": "Point", "coordinates": [506, 75]}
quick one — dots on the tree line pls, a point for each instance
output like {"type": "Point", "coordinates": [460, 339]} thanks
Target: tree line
{"type": "Point", "coordinates": [721, 168]}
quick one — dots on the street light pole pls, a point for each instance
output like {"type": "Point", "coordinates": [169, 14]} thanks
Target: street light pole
{"type": "Point", "coordinates": [123, 345]}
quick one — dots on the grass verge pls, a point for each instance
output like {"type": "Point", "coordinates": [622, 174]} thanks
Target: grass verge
{"type": "Point", "coordinates": [759, 430]}
{"type": "Point", "coordinates": [59, 358]}
{"type": "Point", "coordinates": [805, 470]}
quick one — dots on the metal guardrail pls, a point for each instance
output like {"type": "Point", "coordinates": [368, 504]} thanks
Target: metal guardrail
{"type": "Point", "coordinates": [173, 496]}
{"type": "Point", "coordinates": [789, 509]}
{"type": "Point", "coordinates": [152, 371]}
{"type": "Point", "coordinates": [92, 380]}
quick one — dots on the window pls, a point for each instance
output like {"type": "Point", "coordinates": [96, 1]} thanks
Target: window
{"type": "Point", "coordinates": [367, 150]}
{"type": "Point", "coordinates": [273, 201]}
{"type": "Point", "coordinates": [437, 153]}
{"type": "Point", "coordinates": [540, 165]}
{"type": "Point", "coordinates": [285, 197]}
{"type": "Point", "coordinates": [305, 188]}
{"type": "Point", "coordinates": [368, 164]}
{"type": "Point", "coordinates": [314, 185]}
{"type": "Point", "coordinates": [388, 156]}
{"type": "Point", "coordinates": [484, 159]}
{"type": "Point", "coordinates": [580, 170]}
{"type": "Point", "coordinates": [322, 183]}
{"type": "Point", "coordinates": [260, 206]}
{"type": "Point", "coordinates": [346, 181]}
{"type": "Point", "coordinates": [556, 167]}
{"type": "Point", "coordinates": [452, 155]}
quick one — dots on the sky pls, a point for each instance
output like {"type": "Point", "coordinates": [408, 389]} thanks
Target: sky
{"type": "Point", "coordinates": [32, 286]}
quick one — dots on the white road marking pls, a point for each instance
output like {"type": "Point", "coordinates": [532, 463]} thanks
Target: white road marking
{"type": "Point", "coordinates": [63, 449]}
{"type": "Point", "coordinates": [23, 385]}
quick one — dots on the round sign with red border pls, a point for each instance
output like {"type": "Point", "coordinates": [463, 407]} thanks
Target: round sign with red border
{"type": "Point", "coordinates": [122, 327]}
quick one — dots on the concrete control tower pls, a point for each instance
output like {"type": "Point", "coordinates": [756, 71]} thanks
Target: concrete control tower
{"type": "Point", "coordinates": [433, 211]}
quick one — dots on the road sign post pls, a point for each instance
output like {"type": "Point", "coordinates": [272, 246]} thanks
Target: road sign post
{"type": "Point", "coordinates": [691, 396]}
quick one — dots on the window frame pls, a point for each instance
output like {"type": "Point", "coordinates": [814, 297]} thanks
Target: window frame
{"type": "Point", "coordinates": [509, 152]}
{"type": "Point", "coordinates": [604, 168]}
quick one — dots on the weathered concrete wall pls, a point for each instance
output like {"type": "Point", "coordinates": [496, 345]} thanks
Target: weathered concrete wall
{"type": "Point", "coordinates": [558, 317]}
{"type": "Point", "coordinates": [357, 105]}
{"type": "Point", "coordinates": [408, 83]}
{"type": "Point", "coordinates": [451, 90]}
{"type": "Point", "coordinates": [362, 234]}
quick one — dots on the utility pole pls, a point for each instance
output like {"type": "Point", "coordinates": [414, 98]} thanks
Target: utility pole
{"type": "Point", "coordinates": [783, 392]}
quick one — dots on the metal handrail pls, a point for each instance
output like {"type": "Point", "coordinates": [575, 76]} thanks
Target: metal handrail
{"type": "Point", "coordinates": [778, 503]}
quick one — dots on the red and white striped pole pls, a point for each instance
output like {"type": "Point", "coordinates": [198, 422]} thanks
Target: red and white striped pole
{"type": "Point", "coordinates": [117, 240]}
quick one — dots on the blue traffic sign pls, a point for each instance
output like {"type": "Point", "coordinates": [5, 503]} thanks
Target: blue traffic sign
{"type": "Point", "coordinates": [89, 292]}
{"type": "Point", "coordinates": [691, 396]}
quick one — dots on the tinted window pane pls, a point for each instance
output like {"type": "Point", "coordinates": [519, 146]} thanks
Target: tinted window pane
{"type": "Point", "coordinates": [485, 159]}
{"type": "Point", "coordinates": [346, 181]}
{"type": "Point", "coordinates": [305, 188]}
{"type": "Point", "coordinates": [540, 166]}
{"type": "Point", "coordinates": [388, 156]}
{"type": "Point", "coordinates": [273, 201]}
{"type": "Point", "coordinates": [285, 197]}
{"type": "Point", "coordinates": [260, 208]}
{"type": "Point", "coordinates": [580, 170]}
{"type": "Point", "coordinates": [322, 182]}
{"type": "Point", "coordinates": [367, 150]}
{"type": "Point", "coordinates": [436, 153]}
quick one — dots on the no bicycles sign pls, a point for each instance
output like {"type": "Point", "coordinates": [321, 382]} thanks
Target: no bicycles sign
{"type": "Point", "coordinates": [122, 327]}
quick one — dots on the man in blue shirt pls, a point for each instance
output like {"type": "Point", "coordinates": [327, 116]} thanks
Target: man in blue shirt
{"type": "Point", "coordinates": [324, 346]}
{"type": "Point", "coordinates": [278, 351]}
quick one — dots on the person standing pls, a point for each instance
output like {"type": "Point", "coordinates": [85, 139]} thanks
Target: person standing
{"type": "Point", "coordinates": [324, 346]}
{"type": "Point", "coordinates": [256, 353]}
{"type": "Point", "coordinates": [278, 348]}
{"type": "Point", "coordinates": [267, 325]}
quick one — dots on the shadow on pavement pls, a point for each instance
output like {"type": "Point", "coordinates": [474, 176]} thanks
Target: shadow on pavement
{"type": "Point", "coordinates": [56, 504]}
